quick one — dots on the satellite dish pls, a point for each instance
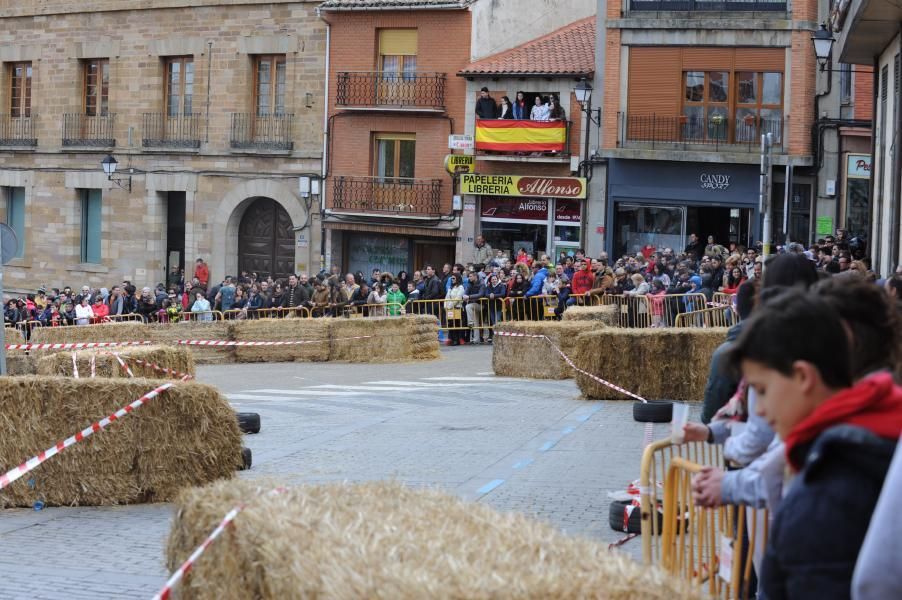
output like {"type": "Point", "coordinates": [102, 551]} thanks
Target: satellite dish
{"type": "Point", "coordinates": [9, 243]}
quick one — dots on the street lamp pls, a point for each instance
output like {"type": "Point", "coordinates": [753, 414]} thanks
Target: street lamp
{"type": "Point", "coordinates": [109, 165]}
{"type": "Point", "coordinates": [583, 93]}
{"type": "Point", "coordinates": [823, 45]}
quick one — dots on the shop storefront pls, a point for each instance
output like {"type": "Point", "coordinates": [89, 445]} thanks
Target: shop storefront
{"type": "Point", "coordinates": [857, 195]}
{"type": "Point", "coordinates": [543, 215]}
{"type": "Point", "coordinates": [364, 252]}
{"type": "Point", "coordinates": [657, 204]}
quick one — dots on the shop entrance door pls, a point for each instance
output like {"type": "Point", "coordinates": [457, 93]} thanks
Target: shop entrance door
{"type": "Point", "coordinates": [725, 224]}
{"type": "Point", "coordinates": [432, 253]}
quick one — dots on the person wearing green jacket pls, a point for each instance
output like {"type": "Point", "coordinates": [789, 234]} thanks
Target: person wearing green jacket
{"type": "Point", "coordinates": [395, 297]}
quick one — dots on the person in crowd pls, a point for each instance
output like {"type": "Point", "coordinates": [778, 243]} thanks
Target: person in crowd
{"type": "Point", "coordinates": [473, 305]}
{"type": "Point", "coordinates": [520, 108]}
{"type": "Point", "coordinates": [694, 248]}
{"type": "Point", "coordinates": [201, 272]}
{"type": "Point", "coordinates": [294, 296]}
{"type": "Point", "coordinates": [485, 105]}
{"type": "Point", "coordinates": [581, 282]}
{"type": "Point", "coordinates": [277, 298]}
{"type": "Point", "coordinates": [516, 293]}
{"type": "Point", "coordinates": [506, 109]}
{"type": "Point", "coordinates": [350, 285]}
{"type": "Point", "coordinates": [555, 110]}
{"type": "Point", "coordinates": [377, 298]}
{"type": "Point", "coordinates": [101, 310]}
{"type": "Point", "coordinates": [173, 311]}
{"type": "Point", "coordinates": [523, 257]}
{"type": "Point", "coordinates": [202, 305]}
{"type": "Point", "coordinates": [454, 310]}
{"type": "Point", "coordinates": [714, 249]}
{"type": "Point", "coordinates": [12, 314]}
{"type": "Point", "coordinates": [396, 299]}
{"type": "Point", "coordinates": [733, 280]}
{"type": "Point", "coordinates": [147, 305]}
{"type": "Point", "coordinates": [495, 292]}
{"type": "Point", "coordinates": [540, 110]}
{"type": "Point", "coordinates": [656, 301]}
{"type": "Point", "coordinates": [483, 251]}
{"type": "Point", "coordinates": [67, 314]}
{"type": "Point", "coordinates": [359, 298]}
{"type": "Point", "coordinates": [320, 301]}
{"type": "Point", "coordinates": [403, 279]}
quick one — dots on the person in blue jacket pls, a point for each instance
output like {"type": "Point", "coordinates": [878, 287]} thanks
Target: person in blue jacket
{"type": "Point", "coordinates": [534, 307]}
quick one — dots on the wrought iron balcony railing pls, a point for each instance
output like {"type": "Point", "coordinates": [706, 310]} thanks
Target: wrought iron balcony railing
{"type": "Point", "coordinates": [18, 131]}
{"type": "Point", "coordinates": [261, 132]}
{"type": "Point", "coordinates": [385, 91]}
{"type": "Point", "coordinates": [707, 5]}
{"type": "Point", "coordinates": [387, 195]}
{"type": "Point", "coordinates": [162, 130]}
{"type": "Point", "coordinates": [712, 134]}
{"type": "Point", "coordinates": [91, 131]}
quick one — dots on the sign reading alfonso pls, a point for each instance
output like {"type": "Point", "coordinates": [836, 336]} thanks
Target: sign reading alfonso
{"type": "Point", "coordinates": [529, 187]}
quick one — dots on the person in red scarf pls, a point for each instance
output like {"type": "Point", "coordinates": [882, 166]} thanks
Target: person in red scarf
{"type": "Point", "coordinates": [795, 352]}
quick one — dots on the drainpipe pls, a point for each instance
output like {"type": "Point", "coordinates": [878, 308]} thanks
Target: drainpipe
{"type": "Point", "coordinates": [897, 170]}
{"type": "Point", "coordinates": [324, 162]}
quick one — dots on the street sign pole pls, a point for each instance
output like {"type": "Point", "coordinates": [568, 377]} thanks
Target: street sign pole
{"type": "Point", "coordinates": [2, 329]}
{"type": "Point", "coordinates": [9, 247]}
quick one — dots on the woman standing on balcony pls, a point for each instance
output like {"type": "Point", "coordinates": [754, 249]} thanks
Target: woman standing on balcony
{"type": "Point", "coordinates": [520, 109]}
{"type": "Point", "coordinates": [505, 111]}
{"type": "Point", "coordinates": [556, 111]}
{"type": "Point", "coordinates": [540, 112]}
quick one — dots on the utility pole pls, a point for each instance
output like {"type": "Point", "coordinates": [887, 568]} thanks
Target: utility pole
{"type": "Point", "coordinates": [764, 197]}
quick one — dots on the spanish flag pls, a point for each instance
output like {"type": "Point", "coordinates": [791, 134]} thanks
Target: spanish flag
{"type": "Point", "coordinates": [504, 135]}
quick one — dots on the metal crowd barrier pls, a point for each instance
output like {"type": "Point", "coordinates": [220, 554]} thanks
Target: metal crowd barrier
{"type": "Point", "coordinates": [656, 460]}
{"type": "Point", "coordinates": [723, 298]}
{"type": "Point", "coordinates": [122, 318]}
{"type": "Point", "coordinates": [300, 312]}
{"type": "Point", "coordinates": [358, 311]}
{"type": "Point", "coordinates": [652, 310]}
{"type": "Point", "coordinates": [25, 328]}
{"type": "Point", "coordinates": [712, 548]}
{"type": "Point", "coordinates": [709, 317]}
{"type": "Point", "coordinates": [201, 316]}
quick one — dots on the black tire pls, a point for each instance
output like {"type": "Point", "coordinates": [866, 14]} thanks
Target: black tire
{"type": "Point", "coordinates": [653, 411]}
{"type": "Point", "coordinates": [245, 459]}
{"type": "Point", "coordinates": [617, 517]}
{"type": "Point", "coordinates": [249, 422]}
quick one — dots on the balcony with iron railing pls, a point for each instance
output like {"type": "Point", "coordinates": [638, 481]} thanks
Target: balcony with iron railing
{"type": "Point", "coordinates": [18, 132]}
{"type": "Point", "coordinates": [261, 133]}
{"type": "Point", "coordinates": [708, 6]}
{"type": "Point", "coordinates": [390, 91]}
{"type": "Point", "coordinates": [401, 196]}
{"type": "Point", "coordinates": [177, 132]}
{"type": "Point", "coordinates": [522, 140]}
{"type": "Point", "coordinates": [715, 134]}
{"type": "Point", "coordinates": [88, 131]}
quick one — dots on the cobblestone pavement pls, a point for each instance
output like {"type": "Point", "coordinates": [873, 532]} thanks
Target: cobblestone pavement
{"type": "Point", "coordinates": [516, 444]}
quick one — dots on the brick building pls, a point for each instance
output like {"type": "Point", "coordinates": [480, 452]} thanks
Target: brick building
{"type": "Point", "coordinates": [213, 110]}
{"type": "Point", "coordinates": [688, 88]}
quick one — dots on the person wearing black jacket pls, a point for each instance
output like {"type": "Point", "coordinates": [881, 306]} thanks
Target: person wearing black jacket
{"type": "Point", "coordinates": [432, 290]}
{"type": "Point", "coordinates": [295, 294]}
{"type": "Point", "coordinates": [694, 246]}
{"type": "Point", "coordinates": [485, 106]}
{"type": "Point", "coordinates": [495, 291]}
{"type": "Point", "coordinates": [473, 307]}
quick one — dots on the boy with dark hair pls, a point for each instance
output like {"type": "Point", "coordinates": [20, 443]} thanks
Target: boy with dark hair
{"type": "Point", "coordinates": [795, 353]}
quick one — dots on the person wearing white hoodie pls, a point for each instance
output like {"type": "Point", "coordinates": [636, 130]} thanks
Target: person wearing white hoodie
{"type": "Point", "coordinates": [83, 312]}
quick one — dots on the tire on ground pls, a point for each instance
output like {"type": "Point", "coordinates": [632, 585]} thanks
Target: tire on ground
{"type": "Point", "coordinates": [619, 520]}
{"type": "Point", "coordinates": [249, 422]}
{"type": "Point", "coordinates": [653, 411]}
{"type": "Point", "coordinates": [245, 459]}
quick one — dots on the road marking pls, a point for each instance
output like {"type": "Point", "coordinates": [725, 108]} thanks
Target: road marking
{"type": "Point", "coordinates": [460, 379]}
{"type": "Point", "coordinates": [548, 446]}
{"type": "Point", "coordinates": [486, 373]}
{"type": "Point", "coordinates": [523, 463]}
{"type": "Point", "coordinates": [489, 486]}
{"type": "Point", "coordinates": [419, 384]}
{"type": "Point", "coordinates": [588, 415]}
{"type": "Point", "coordinates": [567, 431]}
{"type": "Point", "coordinates": [293, 395]}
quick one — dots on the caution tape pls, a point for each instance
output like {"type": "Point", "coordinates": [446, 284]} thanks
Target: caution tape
{"type": "Point", "coordinates": [166, 592]}
{"type": "Point", "coordinates": [158, 368]}
{"type": "Point", "coordinates": [649, 427]}
{"type": "Point", "coordinates": [84, 345]}
{"type": "Point", "coordinates": [74, 345]}
{"type": "Point", "coordinates": [32, 463]}
{"type": "Point", "coordinates": [74, 365]}
{"type": "Point", "coordinates": [122, 364]}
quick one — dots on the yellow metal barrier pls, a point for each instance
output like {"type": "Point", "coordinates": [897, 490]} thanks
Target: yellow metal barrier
{"type": "Point", "coordinates": [709, 317]}
{"type": "Point", "coordinates": [656, 460]}
{"type": "Point", "coordinates": [722, 298]}
{"type": "Point", "coordinates": [122, 318]}
{"type": "Point", "coordinates": [201, 316]}
{"type": "Point", "coordinates": [300, 312]}
{"type": "Point", "coordinates": [707, 546]}
{"type": "Point", "coordinates": [25, 328]}
{"type": "Point", "coordinates": [357, 311]}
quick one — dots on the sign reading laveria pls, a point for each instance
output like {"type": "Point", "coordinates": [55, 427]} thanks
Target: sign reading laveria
{"type": "Point", "coordinates": [516, 185]}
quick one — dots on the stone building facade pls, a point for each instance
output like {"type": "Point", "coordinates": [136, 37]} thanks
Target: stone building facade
{"type": "Point", "coordinates": [213, 110]}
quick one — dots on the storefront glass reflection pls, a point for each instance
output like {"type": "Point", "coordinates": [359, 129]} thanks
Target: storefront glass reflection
{"type": "Point", "coordinates": [638, 227]}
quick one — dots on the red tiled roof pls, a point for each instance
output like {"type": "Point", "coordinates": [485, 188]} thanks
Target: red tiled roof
{"type": "Point", "coordinates": [569, 50]}
{"type": "Point", "coordinates": [392, 4]}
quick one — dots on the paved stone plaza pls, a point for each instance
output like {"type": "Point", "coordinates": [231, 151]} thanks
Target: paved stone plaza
{"type": "Point", "coordinates": [516, 444]}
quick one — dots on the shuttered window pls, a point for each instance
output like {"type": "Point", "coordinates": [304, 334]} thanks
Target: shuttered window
{"type": "Point", "coordinates": [398, 53]}
{"type": "Point", "coordinates": [90, 226]}
{"type": "Point", "coordinates": [15, 215]}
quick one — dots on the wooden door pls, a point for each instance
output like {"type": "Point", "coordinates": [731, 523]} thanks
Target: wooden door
{"type": "Point", "coordinates": [265, 240]}
{"type": "Point", "coordinates": [433, 253]}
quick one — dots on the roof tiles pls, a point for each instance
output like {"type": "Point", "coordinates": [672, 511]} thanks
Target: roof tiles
{"type": "Point", "coordinates": [392, 4]}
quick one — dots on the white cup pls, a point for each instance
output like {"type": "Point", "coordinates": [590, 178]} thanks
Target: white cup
{"type": "Point", "coordinates": [678, 422]}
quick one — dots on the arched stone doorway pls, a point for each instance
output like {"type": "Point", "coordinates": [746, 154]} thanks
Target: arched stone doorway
{"type": "Point", "coordinates": [266, 240]}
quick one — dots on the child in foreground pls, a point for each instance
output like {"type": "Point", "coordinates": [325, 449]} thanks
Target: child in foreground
{"type": "Point", "coordinates": [840, 438]}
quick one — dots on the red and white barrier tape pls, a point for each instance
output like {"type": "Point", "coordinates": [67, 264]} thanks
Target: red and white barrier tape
{"type": "Point", "coordinates": [123, 365]}
{"type": "Point", "coordinates": [284, 343]}
{"type": "Point", "coordinates": [74, 345]}
{"type": "Point", "coordinates": [649, 427]}
{"type": "Point", "coordinates": [32, 463]}
{"type": "Point", "coordinates": [166, 592]}
{"type": "Point", "coordinates": [74, 365]}
{"type": "Point", "coordinates": [93, 366]}
{"type": "Point", "coordinates": [159, 369]}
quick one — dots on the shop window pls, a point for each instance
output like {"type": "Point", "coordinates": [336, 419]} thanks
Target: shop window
{"type": "Point", "coordinates": [640, 227]}
{"type": "Point", "coordinates": [15, 215]}
{"type": "Point", "coordinates": [97, 87]}
{"type": "Point", "coordinates": [857, 207]}
{"type": "Point", "coordinates": [845, 83]}
{"type": "Point", "coordinates": [398, 54]}
{"type": "Point", "coordinates": [20, 89]}
{"type": "Point", "coordinates": [90, 226]}
{"type": "Point", "coordinates": [179, 86]}
{"type": "Point", "coordinates": [799, 212]}
{"type": "Point", "coordinates": [269, 85]}
{"type": "Point", "coordinates": [395, 158]}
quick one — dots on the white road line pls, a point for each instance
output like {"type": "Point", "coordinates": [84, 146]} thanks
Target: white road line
{"type": "Point", "coordinates": [293, 395]}
{"type": "Point", "coordinates": [464, 379]}
{"type": "Point", "coordinates": [420, 383]}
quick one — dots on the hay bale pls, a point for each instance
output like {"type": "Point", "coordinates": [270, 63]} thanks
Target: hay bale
{"type": "Point", "coordinates": [657, 364]}
{"type": "Point", "coordinates": [280, 330]}
{"type": "Point", "coordinates": [18, 363]}
{"type": "Point", "coordinates": [169, 333]}
{"type": "Point", "coordinates": [186, 437]}
{"type": "Point", "coordinates": [534, 357]}
{"type": "Point", "coordinates": [393, 339]}
{"type": "Point", "coordinates": [176, 358]}
{"type": "Point", "coordinates": [605, 314]}
{"type": "Point", "coordinates": [127, 331]}
{"type": "Point", "coordinates": [381, 540]}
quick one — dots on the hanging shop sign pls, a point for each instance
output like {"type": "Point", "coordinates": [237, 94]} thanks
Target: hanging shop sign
{"type": "Point", "coordinates": [515, 185]}
{"type": "Point", "coordinates": [858, 166]}
{"type": "Point", "coordinates": [714, 181]}
{"type": "Point", "coordinates": [460, 142]}
{"type": "Point", "coordinates": [460, 163]}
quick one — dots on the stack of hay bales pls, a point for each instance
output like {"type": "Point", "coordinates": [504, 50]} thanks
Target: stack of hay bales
{"type": "Point", "coordinates": [534, 357]}
{"type": "Point", "coordinates": [279, 330]}
{"type": "Point", "coordinates": [188, 436]}
{"type": "Point", "coordinates": [175, 358]}
{"type": "Point", "coordinates": [19, 363]}
{"type": "Point", "coordinates": [127, 331]}
{"type": "Point", "coordinates": [657, 364]}
{"type": "Point", "coordinates": [605, 314]}
{"type": "Point", "coordinates": [380, 540]}
{"type": "Point", "coordinates": [197, 330]}
{"type": "Point", "coordinates": [392, 339]}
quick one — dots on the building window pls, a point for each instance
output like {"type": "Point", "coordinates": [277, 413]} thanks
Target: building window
{"type": "Point", "coordinates": [759, 105]}
{"type": "Point", "coordinates": [398, 53]}
{"type": "Point", "coordinates": [20, 89]}
{"type": "Point", "coordinates": [269, 85]}
{"type": "Point", "coordinates": [706, 104]}
{"type": "Point", "coordinates": [97, 87]}
{"type": "Point", "coordinates": [756, 105]}
{"type": "Point", "coordinates": [90, 226]}
{"type": "Point", "coordinates": [15, 215]}
{"type": "Point", "coordinates": [179, 85]}
{"type": "Point", "coordinates": [395, 156]}
{"type": "Point", "coordinates": [845, 83]}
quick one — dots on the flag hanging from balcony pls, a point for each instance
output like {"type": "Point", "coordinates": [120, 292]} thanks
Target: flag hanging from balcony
{"type": "Point", "coordinates": [503, 135]}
